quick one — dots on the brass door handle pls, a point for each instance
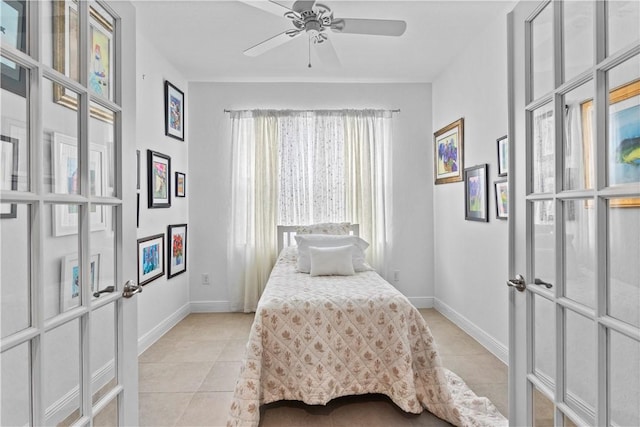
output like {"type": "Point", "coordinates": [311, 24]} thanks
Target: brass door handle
{"type": "Point", "coordinates": [130, 289]}
{"type": "Point", "coordinates": [519, 283]}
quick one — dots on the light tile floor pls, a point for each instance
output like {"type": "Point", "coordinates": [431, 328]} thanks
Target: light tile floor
{"type": "Point", "coordinates": [188, 376]}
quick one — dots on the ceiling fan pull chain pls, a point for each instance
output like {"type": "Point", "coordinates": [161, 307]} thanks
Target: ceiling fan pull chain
{"type": "Point", "coordinates": [309, 52]}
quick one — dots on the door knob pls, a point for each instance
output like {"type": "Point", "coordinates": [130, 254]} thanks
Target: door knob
{"type": "Point", "coordinates": [519, 283]}
{"type": "Point", "coordinates": [130, 289]}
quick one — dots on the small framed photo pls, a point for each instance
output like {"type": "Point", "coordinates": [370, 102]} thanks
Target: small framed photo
{"type": "Point", "coordinates": [177, 249]}
{"type": "Point", "coordinates": [503, 156]}
{"type": "Point", "coordinates": [181, 182]}
{"type": "Point", "coordinates": [158, 179]}
{"type": "Point", "coordinates": [502, 199]}
{"type": "Point", "coordinates": [9, 178]}
{"type": "Point", "coordinates": [173, 111]}
{"type": "Point", "coordinates": [448, 145]}
{"type": "Point", "coordinates": [476, 202]}
{"type": "Point", "coordinates": [150, 258]}
{"type": "Point", "coordinates": [70, 280]}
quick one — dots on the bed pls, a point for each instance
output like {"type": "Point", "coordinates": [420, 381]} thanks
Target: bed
{"type": "Point", "coordinates": [316, 338]}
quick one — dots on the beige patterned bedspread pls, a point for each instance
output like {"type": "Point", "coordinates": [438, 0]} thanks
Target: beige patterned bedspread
{"type": "Point", "coordinates": [318, 338]}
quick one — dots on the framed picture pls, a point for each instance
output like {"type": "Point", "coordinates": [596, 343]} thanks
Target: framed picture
{"type": "Point", "coordinates": [180, 184]}
{"type": "Point", "coordinates": [138, 169]}
{"type": "Point", "coordinates": [158, 179]}
{"type": "Point", "coordinates": [65, 54]}
{"type": "Point", "coordinates": [503, 156]}
{"type": "Point", "coordinates": [70, 280]}
{"type": "Point", "coordinates": [64, 164]}
{"type": "Point", "coordinates": [177, 249]}
{"type": "Point", "coordinates": [137, 210]}
{"type": "Point", "coordinates": [173, 111]}
{"type": "Point", "coordinates": [623, 139]}
{"type": "Point", "coordinates": [448, 144]}
{"type": "Point", "coordinates": [150, 258]}
{"type": "Point", "coordinates": [476, 203]}
{"type": "Point", "coordinates": [9, 178]}
{"type": "Point", "coordinates": [502, 199]}
{"type": "Point", "coordinates": [13, 16]}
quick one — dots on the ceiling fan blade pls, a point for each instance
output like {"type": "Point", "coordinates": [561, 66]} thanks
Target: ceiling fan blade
{"type": "Point", "coordinates": [269, 44]}
{"type": "Point", "coordinates": [301, 5]}
{"type": "Point", "coordinates": [277, 8]}
{"type": "Point", "coordinates": [327, 53]}
{"type": "Point", "coordinates": [376, 27]}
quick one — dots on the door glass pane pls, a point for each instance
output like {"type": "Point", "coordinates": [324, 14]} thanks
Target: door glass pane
{"type": "Point", "coordinates": [15, 268]}
{"type": "Point", "coordinates": [542, 410]}
{"type": "Point", "coordinates": [15, 394]}
{"type": "Point", "coordinates": [60, 32]}
{"type": "Point", "coordinates": [14, 24]}
{"type": "Point", "coordinates": [623, 145]}
{"type": "Point", "coordinates": [14, 165]}
{"type": "Point", "coordinates": [622, 16]}
{"type": "Point", "coordinates": [544, 336]}
{"type": "Point", "coordinates": [542, 52]}
{"type": "Point", "coordinates": [102, 43]}
{"type": "Point", "coordinates": [60, 132]}
{"type": "Point", "coordinates": [61, 355]}
{"type": "Point", "coordinates": [580, 364]}
{"type": "Point", "coordinates": [579, 251]}
{"type": "Point", "coordinates": [578, 138]}
{"type": "Point", "coordinates": [103, 348]}
{"type": "Point", "coordinates": [103, 243]}
{"type": "Point", "coordinates": [108, 417]}
{"type": "Point", "coordinates": [624, 371]}
{"type": "Point", "coordinates": [624, 253]}
{"type": "Point", "coordinates": [544, 253]}
{"type": "Point", "coordinates": [543, 149]}
{"type": "Point", "coordinates": [102, 139]}
{"type": "Point", "coordinates": [578, 37]}
{"type": "Point", "coordinates": [62, 271]}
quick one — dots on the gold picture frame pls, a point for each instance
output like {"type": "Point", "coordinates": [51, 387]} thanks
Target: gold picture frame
{"type": "Point", "coordinates": [616, 95]}
{"type": "Point", "coordinates": [65, 55]}
{"type": "Point", "coordinates": [448, 153]}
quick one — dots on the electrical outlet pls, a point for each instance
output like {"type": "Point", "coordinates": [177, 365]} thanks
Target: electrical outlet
{"type": "Point", "coordinates": [396, 275]}
{"type": "Point", "coordinates": [205, 279]}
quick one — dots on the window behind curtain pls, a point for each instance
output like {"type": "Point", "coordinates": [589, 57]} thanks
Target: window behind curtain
{"type": "Point", "coordinates": [311, 176]}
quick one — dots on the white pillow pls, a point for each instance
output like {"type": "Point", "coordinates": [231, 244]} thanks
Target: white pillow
{"type": "Point", "coordinates": [341, 228]}
{"type": "Point", "coordinates": [332, 261]}
{"type": "Point", "coordinates": [326, 241]}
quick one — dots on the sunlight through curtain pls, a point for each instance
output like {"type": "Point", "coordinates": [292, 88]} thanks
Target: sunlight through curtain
{"type": "Point", "coordinates": [304, 167]}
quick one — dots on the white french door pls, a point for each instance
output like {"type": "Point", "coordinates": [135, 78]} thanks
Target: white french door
{"type": "Point", "coordinates": [574, 76]}
{"type": "Point", "coordinates": [68, 344]}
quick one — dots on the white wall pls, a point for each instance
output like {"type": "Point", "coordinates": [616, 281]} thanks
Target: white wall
{"type": "Point", "coordinates": [209, 186]}
{"type": "Point", "coordinates": [163, 301]}
{"type": "Point", "coordinates": [471, 257]}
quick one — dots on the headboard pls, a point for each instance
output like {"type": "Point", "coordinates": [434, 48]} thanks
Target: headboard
{"type": "Point", "coordinates": [286, 235]}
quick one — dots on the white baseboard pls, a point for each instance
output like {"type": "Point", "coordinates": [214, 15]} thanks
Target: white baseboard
{"type": "Point", "coordinates": [211, 307]}
{"type": "Point", "coordinates": [145, 341]}
{"type": "Point", "coordinates": [487, 341]}
{"type": "Point", "coordinates": [421, 302]}
{"type": "Point", "coordinates": [59, 410]}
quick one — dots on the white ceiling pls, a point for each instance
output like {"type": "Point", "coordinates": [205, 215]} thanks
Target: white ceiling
{"type": "Point", "coordinates": [204, 40]}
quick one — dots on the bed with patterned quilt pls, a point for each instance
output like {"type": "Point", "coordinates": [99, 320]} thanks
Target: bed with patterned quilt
{"type": "Point", "coordinates": [316, 337]}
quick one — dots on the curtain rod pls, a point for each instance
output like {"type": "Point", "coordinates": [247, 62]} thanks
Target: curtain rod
{"type": "Point", "coordinates": [397, 110]}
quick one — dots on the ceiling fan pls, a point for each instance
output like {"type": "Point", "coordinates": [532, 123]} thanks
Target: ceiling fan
{"type": "Point", "coordinates": [317, 21]}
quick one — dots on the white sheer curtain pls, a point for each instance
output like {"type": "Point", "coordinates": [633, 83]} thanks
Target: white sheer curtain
{"type": "Point", "coordinates": [252, 240]}
{"type": "Point", "coordinates": [301, 167]}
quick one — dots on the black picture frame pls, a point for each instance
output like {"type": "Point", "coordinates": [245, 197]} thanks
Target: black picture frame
{"type": "Point", "coordinates": [150, 258]}
{"type": "Point", "coordinates": [476, 203]}
{"type": "Point", "coordinates": [501, 191]}
{"type": "Point", "coordinates": [502, 144]}
{"type": "Point", "coordinates": [177, 253]}
{"type": "Point", "coordinates": [181, 184]}
{"type": "Point", "coordinates": [173, 111]}
{"type": "Point", "coordinates": [158, 180]}
{"type": "Point", "coordinates": [10, 182]}
{"type": "Point", "coordinates": [14, 79]}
